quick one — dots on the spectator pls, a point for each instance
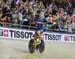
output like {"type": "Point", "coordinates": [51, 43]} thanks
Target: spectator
{"type": "Point", "coordinates": [62, 27]}
{"type": "Point", "coordinates": [55, 27]}
{"type": "Point", "coordinates": [4, 21]}
{"type": "Point", "coordinates": [15, 18]}
{"type": "Point", "coordinates": [56, 13]}
{"type": "Point", "coordinates": [13, 4]}
{"type": "Point", "coordinates": [69, 25]}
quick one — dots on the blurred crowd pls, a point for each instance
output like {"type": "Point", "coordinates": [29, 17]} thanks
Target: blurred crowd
{"type": "Point", "coordinates": [59, 16]}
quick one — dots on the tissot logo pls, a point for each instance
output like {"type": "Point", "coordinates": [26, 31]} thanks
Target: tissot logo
{"type": "Point", "coordinates": [5, 33]}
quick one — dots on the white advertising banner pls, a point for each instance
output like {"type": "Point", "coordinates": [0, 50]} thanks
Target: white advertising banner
{"type": "Point", "coordinates": [19, 34]}
{"type": "Point", "coordinates": [15, 33]}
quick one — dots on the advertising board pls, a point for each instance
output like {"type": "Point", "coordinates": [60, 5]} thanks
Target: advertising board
{"type": "Point", "coordinates": [21, 34]}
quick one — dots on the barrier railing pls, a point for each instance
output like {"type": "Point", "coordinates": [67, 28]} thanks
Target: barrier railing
{"type": "Point", "coordinates": [4, 24]}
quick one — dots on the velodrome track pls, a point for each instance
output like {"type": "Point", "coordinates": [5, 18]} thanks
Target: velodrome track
{"type": "Point", "coordinates": [17, 49]}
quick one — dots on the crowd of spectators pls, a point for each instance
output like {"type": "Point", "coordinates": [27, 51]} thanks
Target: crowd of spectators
{"type": "Point", "coordinates": [23, 13]}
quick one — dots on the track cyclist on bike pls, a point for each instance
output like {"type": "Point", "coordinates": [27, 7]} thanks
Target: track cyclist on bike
{"type": "Point", "coordinates": [36, 43]}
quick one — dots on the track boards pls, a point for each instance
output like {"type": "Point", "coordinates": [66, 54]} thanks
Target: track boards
{"type": "Point", "coordinates": [17, 49]}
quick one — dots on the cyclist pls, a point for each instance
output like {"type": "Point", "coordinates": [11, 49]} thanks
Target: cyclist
{"type": "Point", "coordinates": [40, 24]}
